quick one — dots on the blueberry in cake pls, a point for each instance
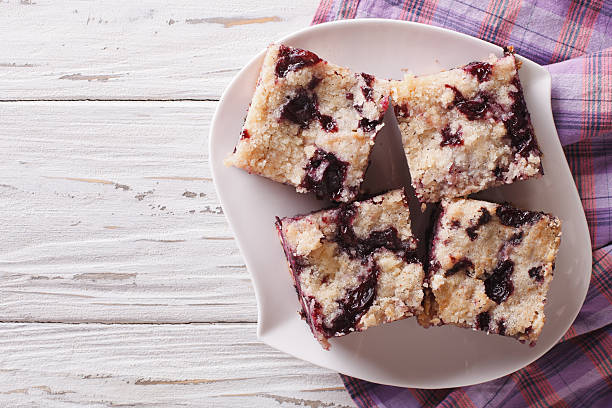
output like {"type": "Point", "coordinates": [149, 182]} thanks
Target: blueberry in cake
{"type": "Point", "coordinates": [311, 124]}
{"type": "Point", "coordinates": [354, 266]}
{"type": "Point", "coordinates": [466, 129]}
{"type": "Point", "coordinates": [490, 268]}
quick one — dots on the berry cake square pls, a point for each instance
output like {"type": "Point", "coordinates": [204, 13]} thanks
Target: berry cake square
{"type": "Point", "coordinates": [466, 129]}
{"type": "Point", "coordinates": [311, 124]}
{"type": "Point", "coordinates": [490, 268]}
{"type": "Point", "coordinates": [354, 266]}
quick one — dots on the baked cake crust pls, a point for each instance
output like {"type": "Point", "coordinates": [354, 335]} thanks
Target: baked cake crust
{"type": "Point", "coordinates": [466, 129]}
{"type": "Point", "coordinates": [490, 268]}
{"type": "Point", "coordinates": [311, 124]}
{"type": "Point", "coordinates": [354, 266]}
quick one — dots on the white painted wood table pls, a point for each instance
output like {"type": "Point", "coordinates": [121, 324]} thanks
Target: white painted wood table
{"type": "Point", "coordinates": [120, 281]}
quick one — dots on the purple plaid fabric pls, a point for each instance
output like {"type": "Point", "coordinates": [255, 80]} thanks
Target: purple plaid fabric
{"type": "Point", "coordinates": [574, 40]}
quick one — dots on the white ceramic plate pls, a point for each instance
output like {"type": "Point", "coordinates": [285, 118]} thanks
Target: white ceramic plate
{"type": "Point", "coordinates": [400, 353]}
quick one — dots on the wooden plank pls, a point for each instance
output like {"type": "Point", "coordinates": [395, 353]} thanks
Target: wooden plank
{"type": "Point", "coordinates": [191, 365]}
{"type": "Point", "coordinates": [151, 49]}
{"type": "Point", "coordinates": [108, 214]}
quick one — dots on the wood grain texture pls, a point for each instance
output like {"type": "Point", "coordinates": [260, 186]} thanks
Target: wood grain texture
{"type": "Point", "coordinates": [187, 365]}
{"type": "Point", "coordinates": [151, 49]}
{"type": "Point", "coordinates": [108, 214]}
{"type": "Point", "coordinates": [120, 282]}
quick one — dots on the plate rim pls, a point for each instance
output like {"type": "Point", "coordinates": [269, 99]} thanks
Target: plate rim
{"type": "Point", "coordinates": [264, 336]}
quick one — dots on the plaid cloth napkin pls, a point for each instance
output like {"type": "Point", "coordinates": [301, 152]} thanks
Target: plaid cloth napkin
{"type": "Point", "coordinates": [574, 40]}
